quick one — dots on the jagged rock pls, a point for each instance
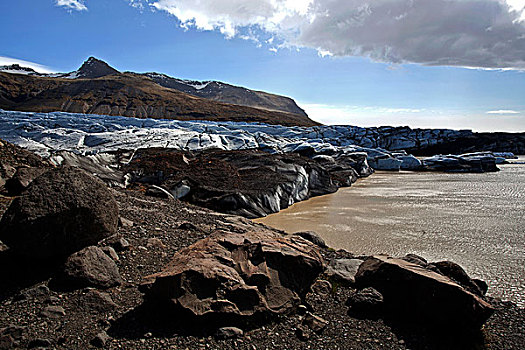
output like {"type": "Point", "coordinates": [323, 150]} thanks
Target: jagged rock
{"type": "Point", "coordinates": [125, 222]}
{"type": "Point", "coordinates": [53, 311]}
{"type": "Point", "coordinates": [100, 340]}
{"type": "Point", "coordinates": [110, 251]}
{"type": "Point", "coordinates": [91, 267]}
{"type": "Point", "coordinates": [119, 243]}
{"type": "Point", "coordinates": [343, 270]}
{"type": "Point", "coordinates": [365, 301]}
{"type": "Point", "coordinates": [155, 243]}
{"type": "Point", "coordinates": [237, 276]}
{"type": "Point", "coordinates": [229, 333]}
{"type": "Point", "coordinates": [62, 211]}
{"type": "Point", "coordinates": [413, 292]}
{"type": "Point", "coordinates": [456, 273]}
{"type": "Point", "coordinates": [322, 288]}
{"type": "Point", "coordinates": [99, 301]}
{"type": "Point", "coordinates": [22, 178]}
{"type": "Point", "coordinates": [314, 322]}
{"type": "Point", "coordinates": [35, 292]}
{"type": "Point", "coordinates": [312, 237]}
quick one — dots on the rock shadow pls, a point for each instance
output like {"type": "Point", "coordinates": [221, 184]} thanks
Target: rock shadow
{"type": "Point", "coordinates": [419, 335]}
{"type": "Point", "coordinates": [163, 320]}
{"type": "Point", "coordinates": [19, 272]}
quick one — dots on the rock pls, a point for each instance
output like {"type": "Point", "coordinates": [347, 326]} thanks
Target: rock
{"type": "Point", "coordinates": [100, 340]}
{"type": "Point", "coordinates": [61, 211]}
{"type": "Point", "coordinates": [312, 237]}
{"type": "Point", "coordinates": [302, 333]}
{"type": "Point", "coordinates": [237, 276]}
{"type": "Point", "coordinates": [6, 341]}
{"type": "Point", "coordinates": [125, 222]}
{"type": "Point", "coordinates": [229, 333]}
{"type": "Point", "coordinates": [482, 285]}
{"type": "Point", "coordinates": [110, 251]}
{"type": "Point", "coordinates": [456, 273]}
{"type": "Point", "coordinates": [15, 332]}
{"type": "Point", "coordinates": [120, 244]}
{"type": "Point", "coordinates": [91, 267]}
{"type": "Point", "coordinates": [40, 343]}
{"type": "Point", "coordinates": [188, 226]}
{"type": "Point", "coordinates": [322, 288]}
{"type": "Point", "coordinates": [10, 336]}
{"type": "Point", "coordinates": [53, 311]}
{"type": "Point", "coordinates": [415, 259]}
{"type": "Point", "coordinates": [343, 270]}
{"type": "Point", "coordinates": [99, 301]}
{"type": "Point", "coordinates": [181, 189]}
{"type": "Point", "coordinates": [365, 301]}
{"type": "Point", "coordinates": [155, 243]}
{"type": "Point", "coordinates": [35, 292]}
{"type": "Point", "coordinates": [22, 178]}
{"type": "Point", "coordinates": [315, 323]}
{"type": "Point", "coordinates": [413, 292]}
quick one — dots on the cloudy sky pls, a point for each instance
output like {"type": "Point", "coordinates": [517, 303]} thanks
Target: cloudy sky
{"type": "Point", "coordinates": [422, 63]}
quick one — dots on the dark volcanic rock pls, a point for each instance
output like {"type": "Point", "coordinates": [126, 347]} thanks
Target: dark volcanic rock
{"type": "Point", "coordinates": [91, 267]}
{"type": "Point", "coordinates": [456, 273]}
{"type": "Point", "coordinates": [413, 292]}
{"type": "Point", "coordinates": [61, 212]}
{"type": "Point", "coordinates": [365, 301]}
{"type": "Point", "coordinates": [237, 276]}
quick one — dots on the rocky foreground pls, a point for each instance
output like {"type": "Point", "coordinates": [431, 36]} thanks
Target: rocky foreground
{"type": "Point", "coordinates": [84, 265]}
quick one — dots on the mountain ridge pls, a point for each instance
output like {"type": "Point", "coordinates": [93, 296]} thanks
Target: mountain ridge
{"type": "Point", "coordinates": [216, 91]}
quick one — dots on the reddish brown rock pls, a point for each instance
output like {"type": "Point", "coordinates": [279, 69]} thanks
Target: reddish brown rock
{"type": "Point", "coordinates": [413, 292]}
{"type": "Point", "coordinates": [238, 275]}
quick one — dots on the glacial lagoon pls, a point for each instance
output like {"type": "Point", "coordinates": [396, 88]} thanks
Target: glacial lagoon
{"type": "Point", "coordinates": [475, 220]}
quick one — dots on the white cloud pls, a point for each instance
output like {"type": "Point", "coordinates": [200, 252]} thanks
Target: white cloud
{"type": "Point", "coordinates": [7, 61]}
{"type": "Point", "coordinates": [503, 111]}
{"type": "Point", "coordinates": [469, 33]}
{"type": "Point", "coordinates": [77, 5]}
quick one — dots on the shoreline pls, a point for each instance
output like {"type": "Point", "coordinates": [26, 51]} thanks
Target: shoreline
{"type": "Point", "coordinates": [391, 213]}
{"type": "Point", "coordinates": [157, 229]}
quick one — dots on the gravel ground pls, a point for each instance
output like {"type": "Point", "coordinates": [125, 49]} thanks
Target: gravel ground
{"type": "Point", "coordinates": [51, 317]}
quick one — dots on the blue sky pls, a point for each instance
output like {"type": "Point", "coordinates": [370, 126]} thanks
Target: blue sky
{"type": "Point", "coordinates": [353, 62]}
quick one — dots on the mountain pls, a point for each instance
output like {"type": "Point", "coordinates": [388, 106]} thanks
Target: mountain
{"type": "Point", "coordinates": [126, 94]}
{"type": "Point", "coordinates": [98, 88]}
{"type": "Point", "coordinates": [218, 91]}
{"type": "Point", "coordinates": [91, 69]}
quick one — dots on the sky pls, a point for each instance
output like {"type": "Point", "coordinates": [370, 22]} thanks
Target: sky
{"type": "Point", "coordinates": [423, 63]}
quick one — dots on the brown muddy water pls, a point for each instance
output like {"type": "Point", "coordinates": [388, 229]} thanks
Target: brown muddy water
{"type": "Point", "coordinates": [475, 220]}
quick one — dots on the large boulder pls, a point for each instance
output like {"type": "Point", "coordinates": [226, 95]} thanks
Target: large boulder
{"type": "Point", "coordinates": [90, 267]}
{"type": "Point", "coordinates": [413, 292]}
{"type": "Point", "coordinates": [61, 212]}
{"type": "Point", "coordinates": [237, 276]}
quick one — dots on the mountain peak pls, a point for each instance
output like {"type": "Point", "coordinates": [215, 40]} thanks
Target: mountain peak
{"type": "Point", "coordinates": [95, 68]}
